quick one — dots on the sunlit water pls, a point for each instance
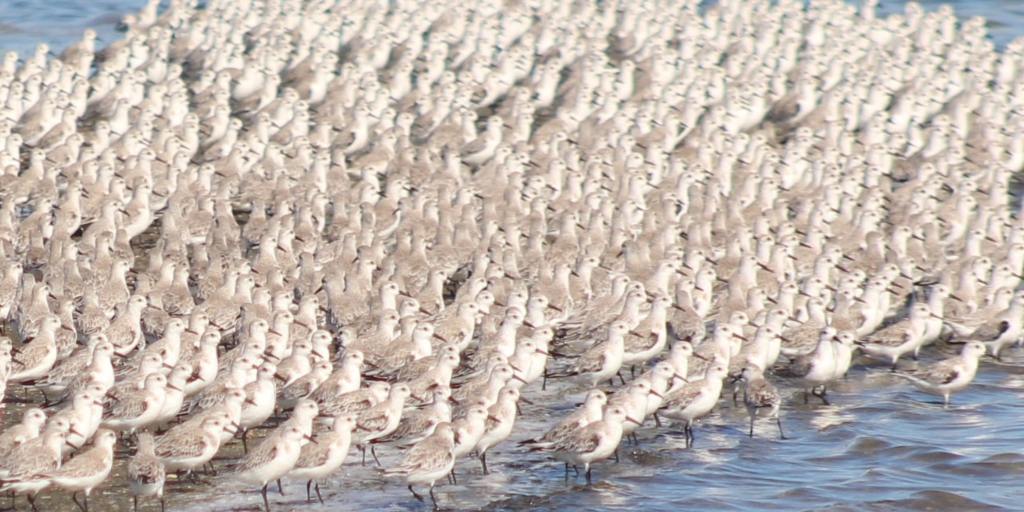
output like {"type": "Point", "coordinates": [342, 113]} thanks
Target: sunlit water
{"type": "Point", "coordinates": [880, 445]}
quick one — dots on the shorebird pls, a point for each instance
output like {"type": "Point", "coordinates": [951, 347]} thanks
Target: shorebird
{"type": "Point", "coordinates": [29, 459]}
{"type": "Point", "coordinates": [760, 394]}
{"type": "Point", "coordinates": [87, 470]}
{"type": "Point", "coordinates": [602, 361]}
{"type": "Point", "coordinates": [589, 412]}
{"type": "Point", "coordinates": [594, 442]}
{"type": "Point", "coordinates": [949, 375]}
{"type": "Point", "coordinates": [695, 399]}
{"type": "Point", "coordinates": [145, 473]}
{"type": "Point", "coordinates": [500, 418]}
{"type": "Point", "coordinates": [318, 460]}
{"type": "Point", "coordinates": [428, 461]}
{"type": "Point", "coordinates": [270, 461]}
{"type": "Point", "coordinates": [184, 447]}
{"type": "Point", "coordinates": [816, 369]}
{"type": "Point", "coordinates": [898, 339]}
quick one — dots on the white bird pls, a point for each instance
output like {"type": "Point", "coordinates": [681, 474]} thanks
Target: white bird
{"type": "Point", "coordinates": [949, 375]}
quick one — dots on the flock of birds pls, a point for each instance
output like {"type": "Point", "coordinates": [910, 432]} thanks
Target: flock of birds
{"type": "Point", "coordinates": [304, 226]}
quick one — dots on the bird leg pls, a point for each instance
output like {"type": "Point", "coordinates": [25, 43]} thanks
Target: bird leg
{"type": "Point", "coordinates": [308, 497]}
{"type": "Point", "coordinates": [432, 497]}
{"type": "Point", "coordinates": [417, 496]}
{"type": "Point", "coordinates": [778, 421]}
{"type": "Point", "coordinates": [316, 486]}
{"type": "Point", "coordinates": [483, 460]}
{"type": "Point", "coordinates": [74, 498]}
{"type": "Point", "coordinates": [820, 395]}
{"type": "Point", "coordinates": [266, 503]}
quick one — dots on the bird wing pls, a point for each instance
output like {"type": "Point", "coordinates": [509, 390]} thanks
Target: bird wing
{"type": "Point", "coordinates": [587, 440]}
{"type": "Point", "coordinates": [942, 372]}
{"type": "Point", "coordinates": [798, 367]}
{"type": "Point", "coordinates": [373, 421]}
{"type": "Point", "coordinates": [683, 397]}
{"type": "Point", "coordinates": [591, 361]}
{"type": "Point", "coordinates": [891, 336]}
{"type": "Point", "coordinates": [193, 444]}
{"type": "Point", "coordinates": [258, 457]}
{"type": "Point", "coordinates": [990, 331]}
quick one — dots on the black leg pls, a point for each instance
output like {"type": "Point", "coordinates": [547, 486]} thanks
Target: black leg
{"type": "Point", "coordinates": [576, 469]}
{"type": "Point", "coordinates": [266, 503]}
{"type": "Point", "coordinates": [657, 420]}
{"type": "Point", "coordinates": [280, 489]}
{"type": "Point", "coordinates": [245, 445]}
{"type": "Point", "coordinates": [566, 470]}
{"type": "Point", "coordinates": [483, 460]}
{"type": "Point", "coordinates": [432, 498]}
{"type": "Point", "coordinates": [820, 395]}
{"type": "Point", "coordinates": [161, 503]}
{"type": "Point", "coordinates": [74, 498]}
{"type": "Point", "coordinates": [135, 503]}
{"type": "Point", "coordinates": [417, 496]}
{"type": "Point", "coordinates": [621, 379]}
{"type": "Point", "coordinates": [374, 453]}
{"type": "Point", "coordinates": [616, 455]}
{"type": "Point", "coordinates": [778, 421]}
{"type": "Point", "coordinates": [308, 497]}
{"type": "Point", "coordinates": [32, 501]}
{"type": "Point", "coordinates": [316, 486]}
{"type": "Point", "coordinates": [587, 474]}
{"type": "Point", "coordinates": [455, 479]}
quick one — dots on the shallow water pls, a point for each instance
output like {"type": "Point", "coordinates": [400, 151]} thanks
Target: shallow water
{"type": "Point", "coordinates": [880, 445]}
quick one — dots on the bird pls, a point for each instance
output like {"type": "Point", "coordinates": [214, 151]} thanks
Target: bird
{"type": "Point", "coordinates": [145, 473]}
{"type": "Point", "coordinates": [760, 394]}
{"type": "Point", "coordinates": [318, 460]}
{"type": "Point", "coordinates": [87, 470]}
{"type": "Point", "coordinates": [428, 461]}
{"type": "Point", "coordinates": [592, 443]}
{"type": "Point", "coordinates": [270, 460]}
{"type": "Point", "coordinates": [950, 375]}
